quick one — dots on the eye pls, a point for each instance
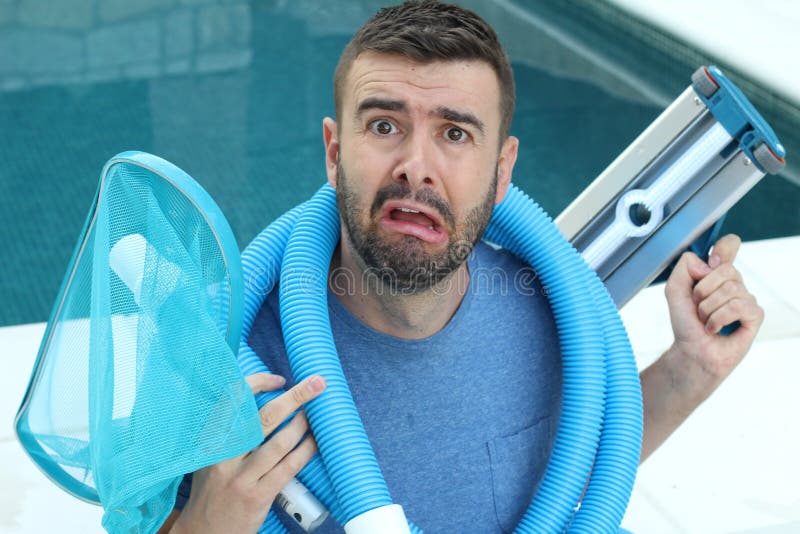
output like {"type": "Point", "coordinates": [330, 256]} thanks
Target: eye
{"type": "Point", "coordinates": [456, 134]}
{"type": "Point", "coordinates": [382, 127]}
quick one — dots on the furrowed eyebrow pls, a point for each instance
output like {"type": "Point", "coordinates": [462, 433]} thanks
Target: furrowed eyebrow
{"type": "Point", "coordinates": [379, 103]}
{"type": "Point", "coordinates": [398, 105]}
{"type": "Point", "coordinates": [459, 116]}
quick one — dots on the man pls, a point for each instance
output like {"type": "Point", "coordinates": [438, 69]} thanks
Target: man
{"type": "Point", "coordinates": [455, 372]}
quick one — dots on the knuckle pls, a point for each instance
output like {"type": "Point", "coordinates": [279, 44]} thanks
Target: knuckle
{"type": "Point", "coordinates": [698, 293]}
{"type": "Point", "coordinates": [267, 416]}
{"type": "Point", "coordinates": [298, 459]}
{"type": "Point", "coordinates": [669, 287]}
{"type": "Point", "coordinates": [224, 470]}
{"type": "Point", "coordinates": [731, 287]}
{"type": "Point", "coordinates": [283, 442]}
{"type": "Point", "coordinates": [687, 256]}
{"type": "Point", "coordinates": [281, 474]}
{"type": "Point", "coordinates": [218, 468]}
{"type": "Point", "coordinates": [247, 493]}
{"type": "Point", "coordinates": [703, 310]}
{"type": "Point", "coordinates": [729, 271]}
{"type": "Point", "coordinates": [299, 393]}
{"type": "Point", "coordinates": [296, 464]}
{"type": "Point", "coordinates": [240, 487]}
{"type": "Point", "coordinates": [302, 422]}
{"type": "Point", "coordinates": [736, 306]}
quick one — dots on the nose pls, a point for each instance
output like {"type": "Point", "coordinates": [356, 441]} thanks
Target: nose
{"type": "Point", "coordinates": [416, 165]}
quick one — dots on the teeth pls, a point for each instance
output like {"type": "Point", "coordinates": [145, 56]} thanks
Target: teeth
{"type": "Point", "coordinates": [409, 210]}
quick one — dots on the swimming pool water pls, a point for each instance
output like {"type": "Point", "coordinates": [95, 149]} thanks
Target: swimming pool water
{"type": "Point", "coordinates": [234, 93]}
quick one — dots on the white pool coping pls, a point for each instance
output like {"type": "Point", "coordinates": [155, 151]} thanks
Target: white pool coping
{"type": "Point", "coordinates": [732, 468]}
{"type": "Point", "coordinates": [756, 37]}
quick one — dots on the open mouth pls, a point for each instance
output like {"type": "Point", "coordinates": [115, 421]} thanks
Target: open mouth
{"type": "Point", "coordinates": [415, 220]}
{"type": "Point", "coordinates": [413, 216]}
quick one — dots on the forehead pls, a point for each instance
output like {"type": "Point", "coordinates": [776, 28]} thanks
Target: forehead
{"type": "Point", "coordinates": [468, 85]}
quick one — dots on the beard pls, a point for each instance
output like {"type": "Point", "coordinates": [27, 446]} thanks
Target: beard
{"type": "Point", "coordinates": [403, 264]}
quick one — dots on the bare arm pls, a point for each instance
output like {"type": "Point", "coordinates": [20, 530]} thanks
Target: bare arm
{"type": "Point", "coordinates": [702, 299]}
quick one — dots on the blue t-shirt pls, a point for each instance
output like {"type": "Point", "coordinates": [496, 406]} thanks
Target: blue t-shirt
{"type": "Point", "coordinates": [462, 422]}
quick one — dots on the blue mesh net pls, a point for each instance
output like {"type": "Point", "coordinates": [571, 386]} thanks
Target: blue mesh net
{"type": "Point", "coordinates": [136, 382]}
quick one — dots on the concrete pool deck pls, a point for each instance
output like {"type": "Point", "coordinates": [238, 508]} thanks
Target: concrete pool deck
{"type": "Point", "coordinates": [732, 468]}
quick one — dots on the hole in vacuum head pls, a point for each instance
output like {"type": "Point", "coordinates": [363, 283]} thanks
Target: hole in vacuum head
{"type": "Point", "coordinates": [639, 214]}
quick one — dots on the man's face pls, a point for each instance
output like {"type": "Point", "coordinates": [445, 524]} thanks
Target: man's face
{"type": "Point", "coordinates": [417, 164]}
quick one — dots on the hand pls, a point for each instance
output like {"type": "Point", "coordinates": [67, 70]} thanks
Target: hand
{"type": "Point", "coordinates": [702, 299]}
{"type": "Point", "coordinates": [235, 495]}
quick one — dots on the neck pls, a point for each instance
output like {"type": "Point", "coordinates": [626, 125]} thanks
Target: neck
{"type": "Point", "coordinates": [394, 312]}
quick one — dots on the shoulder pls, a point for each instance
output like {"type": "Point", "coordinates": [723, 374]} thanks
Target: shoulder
{"type": "Point", "coordinates": [266, 336]}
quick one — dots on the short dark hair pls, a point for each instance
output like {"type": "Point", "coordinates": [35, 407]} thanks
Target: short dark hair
{"type": "Point", "coordinates": [427, 31]}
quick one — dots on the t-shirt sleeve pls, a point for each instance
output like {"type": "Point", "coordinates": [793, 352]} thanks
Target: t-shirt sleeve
{"type": "Point", "coordinates": [184, 489]}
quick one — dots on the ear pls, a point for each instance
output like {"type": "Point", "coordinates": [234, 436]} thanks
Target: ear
{"type": "Point", "coordinates": [505, 166]}
{"type": "Point", "coordinates": [329, 137]}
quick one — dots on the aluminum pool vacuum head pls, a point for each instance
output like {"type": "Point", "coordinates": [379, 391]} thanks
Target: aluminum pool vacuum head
{"type": "Point", "coordinates": [684, 172]}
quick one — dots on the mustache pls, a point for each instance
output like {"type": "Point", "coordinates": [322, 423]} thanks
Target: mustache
{"type": "Point", "coordinates": [426, 196]}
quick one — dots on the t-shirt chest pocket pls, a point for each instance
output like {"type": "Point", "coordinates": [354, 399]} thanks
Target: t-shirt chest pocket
{"type": "Point", "coordinates": [518, 462]}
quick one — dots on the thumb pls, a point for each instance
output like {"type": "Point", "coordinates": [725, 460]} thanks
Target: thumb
{"type": "Point", "coordinates": [724, 250]}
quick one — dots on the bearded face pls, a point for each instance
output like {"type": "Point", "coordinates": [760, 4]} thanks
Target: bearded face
{"type": "Point", "coordinates": [404, 262]}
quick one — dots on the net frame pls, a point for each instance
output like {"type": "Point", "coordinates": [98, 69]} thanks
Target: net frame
{"type": "Point", "coordinates": [85, 489]}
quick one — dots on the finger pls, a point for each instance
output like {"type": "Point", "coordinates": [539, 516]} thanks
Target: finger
{"type": "Point", "coordinates": [277, 410]}
{"type": "Point", "coordinates": [290, 465]}
{"type": "Point", "coordinates": [724, 250]}
{"type": "Point", "coordinates": [728, 290]}
{"type": "Point", "coordinates": [745, 310]}
{"type": "Point", "coordinates": [263, 458]}
{"type": "Point", "coordinates": [260, 382]}
{"type": "Point", "coordinates": [686, 272]}
{"type": "Point", "coordinates": [714, 280]}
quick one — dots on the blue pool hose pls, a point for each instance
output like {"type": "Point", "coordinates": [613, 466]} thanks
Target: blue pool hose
{"type": "Point", "coordinates": [597, 446]}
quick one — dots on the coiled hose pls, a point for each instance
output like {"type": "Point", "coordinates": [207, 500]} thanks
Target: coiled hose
{"type": "Point", "coordinates": [597, 447]}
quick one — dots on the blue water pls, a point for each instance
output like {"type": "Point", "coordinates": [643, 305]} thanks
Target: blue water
{"type": "Point", "coordinates": [235, 95]}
